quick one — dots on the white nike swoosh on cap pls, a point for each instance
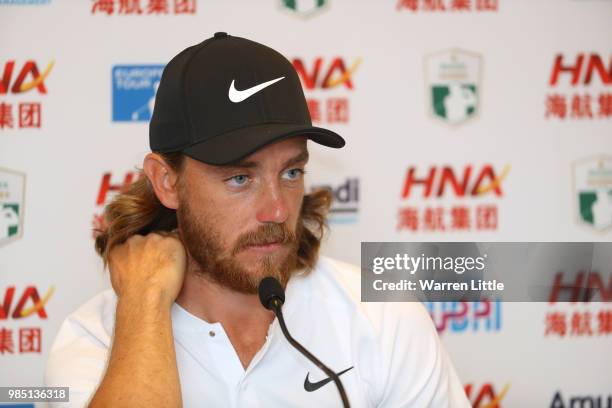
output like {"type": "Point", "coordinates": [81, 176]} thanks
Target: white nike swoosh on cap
{"type": "Point", "coordinates": [239, 96]}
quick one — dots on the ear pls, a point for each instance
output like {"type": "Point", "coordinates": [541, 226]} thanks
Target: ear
{"type": "Point", "coordinates": [163, 179]}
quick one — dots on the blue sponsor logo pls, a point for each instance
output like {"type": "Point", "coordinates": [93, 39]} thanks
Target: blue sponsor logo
{"type": "Point", "coordinates": [460, 317]}
{"type": "Point", "coordinates": [134, 88]}
{"type": "Point", "coordinates": [24, 3]}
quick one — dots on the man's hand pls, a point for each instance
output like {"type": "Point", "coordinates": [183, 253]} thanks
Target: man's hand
{"type": "Point", "coordinates": [151, 265]}
{"type": "Point", "coordinates": [147, 274]}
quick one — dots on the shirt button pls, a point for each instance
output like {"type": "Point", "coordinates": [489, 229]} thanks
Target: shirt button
{"type": "Point", "coordinates": [211, 333]}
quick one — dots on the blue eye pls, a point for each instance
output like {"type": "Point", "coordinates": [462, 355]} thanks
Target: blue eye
{"type": "Point", "coordinates": [294, 174]}
{"type": "Point", "coordinates": [239, 180]}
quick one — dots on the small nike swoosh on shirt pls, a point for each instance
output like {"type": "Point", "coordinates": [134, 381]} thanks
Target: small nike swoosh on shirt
{"type": "Point", "coordinates": [239, 96]}
{"type": "Point", "coordinates": [310, 387]}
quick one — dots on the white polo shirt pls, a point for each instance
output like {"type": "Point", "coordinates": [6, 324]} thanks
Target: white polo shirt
{"type": "Point", "coordinates": [396, 356]}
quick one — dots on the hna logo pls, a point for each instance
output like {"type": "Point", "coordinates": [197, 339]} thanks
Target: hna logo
{"type": "Point", "coordinates": [599, 401]}
{"type": "Point", "coordinates": [471, 182]}
{"type": "Point", "coordinates": [345, 200]}
{"type": "Point", "coordinates": [325, 76]}
{"type": "Point", "coordinates": [582, 70]}
{"type": "Point", "coordinates": [25, 308]}
{"type": "Point", "coordinates": [106, 186]}
{"type": "Point", "coordinates": [485, 397]}
{"type": "Point", "coordinates": [28, 70]}
{"type": "Point", "coordinates": [107, 192]}
{"type": "Point", "coordinates": [586, 287]}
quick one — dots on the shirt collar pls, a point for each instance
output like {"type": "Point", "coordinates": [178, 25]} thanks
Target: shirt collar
{"type": "Point", "coordinates": [296, 292]}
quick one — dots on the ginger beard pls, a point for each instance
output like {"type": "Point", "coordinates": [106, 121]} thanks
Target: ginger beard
{"type": "Point", "coordinates": [204, 244]}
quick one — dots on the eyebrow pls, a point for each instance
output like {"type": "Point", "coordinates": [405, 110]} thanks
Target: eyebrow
{"type": "Point", "coordinates": [302, 157]}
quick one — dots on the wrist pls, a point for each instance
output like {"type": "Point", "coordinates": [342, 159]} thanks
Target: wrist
{"type": "Point", "coordinates": [148, 300]}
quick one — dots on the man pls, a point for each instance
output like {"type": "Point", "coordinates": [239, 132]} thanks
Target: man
{"type": "Point", "coordinates": [221, 207]}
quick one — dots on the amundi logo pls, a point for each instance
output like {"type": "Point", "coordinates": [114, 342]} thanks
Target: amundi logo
{"type": "Point", "coordinates": [581, 401]}
{"type": "Point", "coordinates": [345, 200]}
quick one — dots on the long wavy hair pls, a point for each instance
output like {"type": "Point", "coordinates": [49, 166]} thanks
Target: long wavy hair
{"type": "Point", "coordinates": [137, 210]}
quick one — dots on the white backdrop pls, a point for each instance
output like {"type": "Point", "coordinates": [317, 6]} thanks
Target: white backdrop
{"type": "Point", "coordinates": [468, 88]}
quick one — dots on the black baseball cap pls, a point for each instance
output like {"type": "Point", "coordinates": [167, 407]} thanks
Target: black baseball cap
{"type": "Point", "coordinates": [226, 97]}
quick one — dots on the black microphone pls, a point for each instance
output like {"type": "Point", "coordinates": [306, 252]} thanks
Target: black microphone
{"type": "Point", "coordinates": [272, 297]}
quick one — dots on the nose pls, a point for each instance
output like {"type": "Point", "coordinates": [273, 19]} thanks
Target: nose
{"type": "Point", "coordinates": [272, 207]}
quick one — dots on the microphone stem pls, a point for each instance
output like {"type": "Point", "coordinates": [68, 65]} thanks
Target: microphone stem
{"type": "Point", "coordinates": [276, 304]}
